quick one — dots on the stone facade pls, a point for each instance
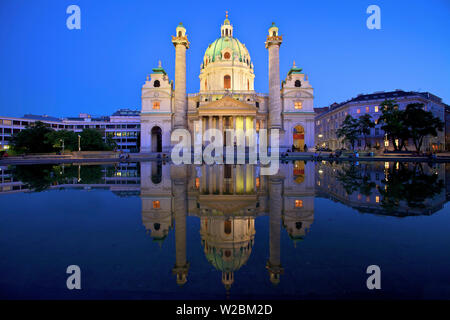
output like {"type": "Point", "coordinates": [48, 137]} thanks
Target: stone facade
{"type": "Point", "coordinates": [226, 99]}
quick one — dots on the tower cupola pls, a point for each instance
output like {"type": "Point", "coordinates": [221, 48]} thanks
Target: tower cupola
{"type": "Point", "coordinates": [227, 29]}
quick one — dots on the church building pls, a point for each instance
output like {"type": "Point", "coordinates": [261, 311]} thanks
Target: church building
{"type": "Point", "coordinates": [227, 98]}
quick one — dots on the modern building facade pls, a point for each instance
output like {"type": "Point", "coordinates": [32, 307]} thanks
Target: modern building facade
{"type": "Point", "coordinates": [226, 98]}
{"type": "Point", "coordinates": [123, 126]}
{"type": "Point", "coordinates": [330, 120]}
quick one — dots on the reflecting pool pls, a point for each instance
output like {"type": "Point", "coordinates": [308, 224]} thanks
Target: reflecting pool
{"type": "Point", "coordinates": [152, 230]}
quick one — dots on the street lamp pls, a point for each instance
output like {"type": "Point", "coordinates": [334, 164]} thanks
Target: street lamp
{"type": "Point", "coordinates": [79, 145]}
{"type": "Point", "coordinates": [62, 140]}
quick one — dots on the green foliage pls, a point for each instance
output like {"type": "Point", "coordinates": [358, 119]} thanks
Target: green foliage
{"type": "Point", "coordinates": [92, 140]}
{"type": "Point", "coordinates": [349, 131]}
{"type": "Point", "coordinates": [56, 138]}
{"type": "Point", "coordinates": [393, 121]}
{"type": "Point", "coordinates": [32, 140]}
{"type": "Point", "coordinates": [421, 123]}
{"type": "Point", "coordinates": [365, 123]}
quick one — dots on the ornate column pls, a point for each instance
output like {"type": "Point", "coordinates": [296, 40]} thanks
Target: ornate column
{"type": "Point", "coordinates": [179, 186]}
{"type": "Point", "coordinates": [181, 44]}
{"type": "Point", "coordinates": [275, 205]}
{"type": "Point", "coordinates": [273, 44]}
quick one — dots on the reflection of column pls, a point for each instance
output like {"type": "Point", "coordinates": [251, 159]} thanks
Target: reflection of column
{"type": "Point", "coordinates": [179, 185]}
{"type": "Point", "coordinates": [275, 204]}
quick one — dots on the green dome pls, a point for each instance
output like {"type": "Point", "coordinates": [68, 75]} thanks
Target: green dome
{"type": "Point", "coordinates": [214, 51]}
{"type": "Point", "coordinates": [238, 258]}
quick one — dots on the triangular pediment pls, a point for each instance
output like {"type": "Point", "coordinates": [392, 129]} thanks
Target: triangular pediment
{"type": "Point", "coordinates": [228, 103]}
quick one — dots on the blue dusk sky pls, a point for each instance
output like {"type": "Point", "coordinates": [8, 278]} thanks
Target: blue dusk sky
{"type": "Point", "coordinates": [45, 68]}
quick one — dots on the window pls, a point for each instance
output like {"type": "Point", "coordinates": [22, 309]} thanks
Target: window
{"type": "Point", "coordinates": [298, 83]}
{"type": "Point", "coordinates": [227, 227]}
{"type": "Point", "coordinates": [227, 55]}
{"type": "Point", "coordinates": [156, 105]}
{"type": "Point", "coordinates": [197, 183]}
{"type": "Point", "coordinates": [156, 84]}
{"type": "Point", "coordinates": [298, 203]}
{"type": "Point", "coordinates": [376, 108]}
{"type": "Point", "coordinates": [180, 34]}
{"type": "Point", "coordinates": [274, 34]}
{"type": "Point", "coordinates": [298, 105]}
{"type": "Point", "coordinates": [377, 199]}
{"type": "Point", "coordinates": [156, 204]}
{"type": "Point", "coordinates": [227, 82]}
{"type": "Point", "coordinates": [367, 109]}
{"type": "Point", "coordinates": [358, 110]}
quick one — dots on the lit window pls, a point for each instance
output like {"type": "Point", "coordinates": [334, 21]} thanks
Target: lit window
{"type": "Point", "coordinates": [227, 82]}
{"type": "Point", "coordinates": [197, 183]}
{"type": "Point", "coordinates": [298, 105]}
{"type": "Point", "coordinates": [156, 105]}
{"type": "Point", "coordinates": [367, 109]}
{"type": "Point", "coordinates": [257, 182]}
{"type": "Point", "coordinates": [376, 108]}
{"type": "Point", "coordinates": [377, 199]}
{"type": "Point", "coordinates": [298, 203]}
{"type": "Point", "coordinates": [359, 196]}
{"type": "Point", "coordinates": [156, 204]}
{"type": "Point", "coordinates": [358, 111]}
{"type": "Point", "coordinates": [386, 143]}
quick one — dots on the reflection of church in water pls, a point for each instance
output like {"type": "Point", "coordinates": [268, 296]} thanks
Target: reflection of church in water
{"type": "Point", "coordinates": [227, 199]}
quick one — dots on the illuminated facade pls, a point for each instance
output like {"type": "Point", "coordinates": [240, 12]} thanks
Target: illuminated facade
{"type": "Point", "coordinates": [226, 98]}
{"type": "Point", "coordinates": [328, 122]}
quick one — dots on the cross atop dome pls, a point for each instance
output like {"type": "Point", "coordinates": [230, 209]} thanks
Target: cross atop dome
{"type": "Point", "coordinates": [226, 29]}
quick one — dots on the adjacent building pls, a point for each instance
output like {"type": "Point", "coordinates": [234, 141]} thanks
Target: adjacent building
{"type": "Point", "coordinates": [328, 121]}
{"type": "Point", "coordinates": [123, 126]}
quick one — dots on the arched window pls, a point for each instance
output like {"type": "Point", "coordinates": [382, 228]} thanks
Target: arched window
{"type": "Point", "coordinates": [156, 84]}
{"type": "Point", "coordinates": [179, 33]}
{"type": "Point", "coordinates": [227, 55]}
{"type": "Point", "coordinates": [298, 83]}
{"type": "Point", "coordinates": [226, 32]}
{"type": "Point", "coordinates": [157, 226]}
{"type": "Point", "coordinates": [227, 226]}
{"type": "Point", "coordinates": [227, 82]}
{"type": "Point", "coordinates": [274, 33]}
{"type": "Point", "coordinates": [156, 105]}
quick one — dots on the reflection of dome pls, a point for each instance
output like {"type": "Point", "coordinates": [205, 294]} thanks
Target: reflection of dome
{"type": "Point", "coordinates": [227, 243]}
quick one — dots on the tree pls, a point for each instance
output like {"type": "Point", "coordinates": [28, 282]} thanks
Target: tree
{"type": "Point", "coordinates": [92, 140]}
{"type": "Point", "coordinates": [393, 124]}
{"type": "Point", "coordinates": [56, 138]}
{"type": "Point", "coordinates": [365, 123]}
{"type": "Point", "coordinates": [421, 123]}
{"type": "Point", "coordinates": [32, 139]}
{"type": "Point", "coordinates": [349, 131]}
